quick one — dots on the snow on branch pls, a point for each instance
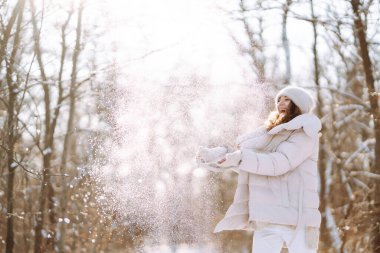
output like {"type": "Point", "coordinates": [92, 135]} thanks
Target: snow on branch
{"type": "Point", "coordinates": [347, 119]}
{"type": "Point", "coordinates": [328, 172]}
{"type": "Point", "coordinates": [333, 229]}
{"type": "Point", "coordinates": [363, 126]}
{"type": "Point", "coordinates": [362, 147]}
{"type": "Point", "coordinates": [347, 185]}
{"type": "Point", "coordinates": [349, 107]}
{"type": "Point", "coordinates": [345, 94]}
{"type": "Point", "coordinates": [365, 173]}
{"type": "Point", "coordinates": [360, 183]}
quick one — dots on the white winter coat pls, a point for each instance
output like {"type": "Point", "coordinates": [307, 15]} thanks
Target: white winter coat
{"type": "Point", "coordinates": [278, 179]}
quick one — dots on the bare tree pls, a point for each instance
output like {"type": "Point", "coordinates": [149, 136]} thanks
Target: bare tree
{"type": "Point", "coordinates": [8, 29]}
{"type": "Point", "coordinates": [70, 123]}
{"type": "Point", "coordinates": [375, 112]}
{"type": "Point", "coordinates": [12, 132]}
{"type": "Point", "coordinates": [255, 48]}
{"type": "Point", "coordinates": [47, 146]}
{"type": "Point", "coordinates": [50, 92]}
{"type": "Point", "coordinates": [325, 232]}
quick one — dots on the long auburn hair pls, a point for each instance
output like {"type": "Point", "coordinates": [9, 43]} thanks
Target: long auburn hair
{"type": "Point", "coordinates": [275, 119]}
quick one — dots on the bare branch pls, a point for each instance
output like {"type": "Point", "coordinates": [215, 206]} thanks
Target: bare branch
{"type": "Point", "coordinates": [366, 174]}
{"type": "Point", "coordinates": [8, 29]}
{"type": "Point", "coordinates": [344, 94]}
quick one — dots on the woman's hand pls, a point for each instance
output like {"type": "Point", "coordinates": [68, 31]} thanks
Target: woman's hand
{"type": "Point", "coordinates": [207, 155]}
{"type": "Point", "coordinates": [231, 159]}
{"type": "Point", "coordinates": [199, 158]}
{"type": "Point", "coordinates": [222, 160]}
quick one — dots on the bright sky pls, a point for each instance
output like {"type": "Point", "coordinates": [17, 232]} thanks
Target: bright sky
{"type": "Point", "coordinates": [177, 35]}
{"type": "Point", "coordinates": [157, 40]}
{"type": "Point", "coordinates": [181, 36]}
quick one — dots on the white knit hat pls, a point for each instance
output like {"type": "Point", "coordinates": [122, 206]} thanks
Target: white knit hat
{"type": "Point", "coordinates": [299, 96]}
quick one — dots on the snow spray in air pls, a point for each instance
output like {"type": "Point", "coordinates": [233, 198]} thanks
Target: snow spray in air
{"type": "Point", "coordinates": [145, 169]}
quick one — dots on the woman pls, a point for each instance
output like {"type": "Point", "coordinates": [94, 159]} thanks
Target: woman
{"type": "Point", "coordinates": [277, 193]}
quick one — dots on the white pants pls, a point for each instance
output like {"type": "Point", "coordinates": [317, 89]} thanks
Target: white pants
{"type": "Point", "coordinates": [271, 239]}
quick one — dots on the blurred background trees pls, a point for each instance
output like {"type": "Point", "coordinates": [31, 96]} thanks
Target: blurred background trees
{"type": "Point", "coordinates": [89, 165]}
{"type": "Point", "coordinates": [46, 66]}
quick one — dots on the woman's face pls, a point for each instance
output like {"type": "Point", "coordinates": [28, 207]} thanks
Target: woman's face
{"type": "Point", "coordinates": [283, 104]}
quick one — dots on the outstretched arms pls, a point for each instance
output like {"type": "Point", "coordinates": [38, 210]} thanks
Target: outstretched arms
{"type": "Point", "coordinates": [288, 156]}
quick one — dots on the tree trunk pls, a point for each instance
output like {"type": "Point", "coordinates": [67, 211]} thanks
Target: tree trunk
{"type": "Point", "coordinates": [373, 99]}
{"type": "Point", "coordinates": [70, 126]}
{"type": "Point", "coordinates": [11, 171]}
{"type": "Point", "coordinates": [60, 242]}
{"type": "Point", "coordinates": [325, 233]}
{"type": "Point", "coordinates": [38, 243]}
{"type": "Point", "coordinates": [12, 130]}
{"type": "Point", "coordinates": [285, 42]}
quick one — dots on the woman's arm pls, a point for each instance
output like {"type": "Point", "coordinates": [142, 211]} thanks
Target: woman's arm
{"type": "Point", "coordinates": [252, 135]}
{"type": "Point", "coordinates": [257, 142]}
{"type": "Point", "coordinates": [288, 156]}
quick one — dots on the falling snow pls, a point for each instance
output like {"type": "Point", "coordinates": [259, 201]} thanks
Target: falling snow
{"type": "Point", "coordinates": [147, 174]}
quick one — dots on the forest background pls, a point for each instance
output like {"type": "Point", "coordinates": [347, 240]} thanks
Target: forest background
{"type": "Point", "coordinates": [103, 105]}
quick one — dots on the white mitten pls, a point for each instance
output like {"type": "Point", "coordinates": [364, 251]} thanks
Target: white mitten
{"type": "Point", "coordinates": [207, 155]}
{"type": "Point", "coordinates": [208, 158]}
{"type": "Point", "coordinates": [232, 159]}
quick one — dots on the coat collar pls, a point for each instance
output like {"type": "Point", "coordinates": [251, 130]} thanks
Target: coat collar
{"type": "Point", "coordinates": [310, 123]}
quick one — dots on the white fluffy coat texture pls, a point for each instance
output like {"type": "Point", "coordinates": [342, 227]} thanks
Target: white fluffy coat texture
{"type": "Point", "coordinates": [278, 179]}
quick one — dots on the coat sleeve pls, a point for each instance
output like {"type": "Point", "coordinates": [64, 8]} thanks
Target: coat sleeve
{"type": "Point", "coordinates": [256, 141]}
{"type": "Point", "coordinates": [251, 136]}
{"type": "Point", "coordinates": [288, 156]}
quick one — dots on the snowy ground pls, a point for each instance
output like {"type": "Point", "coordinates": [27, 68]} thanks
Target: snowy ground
{"type": "Point", "coordinates": [183, 248]}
